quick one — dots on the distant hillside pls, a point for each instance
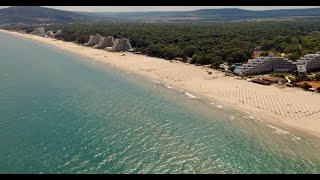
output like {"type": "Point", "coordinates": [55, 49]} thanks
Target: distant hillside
{"type": "Point", "coordinates": [229, 14]}
{"type": "Point", "coordinates": [36, 15]}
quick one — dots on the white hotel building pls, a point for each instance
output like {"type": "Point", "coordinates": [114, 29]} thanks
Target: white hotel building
{"type": "Point", "coordinates": [309, 62]}
{"type": "Point", "coordinates": [266, 64]}
{"type": "Point", "coordinates": [269, 64]}
{"type": "Point", "coordinates": [94, 40]}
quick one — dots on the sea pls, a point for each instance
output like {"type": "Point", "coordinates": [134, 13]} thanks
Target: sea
{"type": "Point", "coordinates": [61, 113]}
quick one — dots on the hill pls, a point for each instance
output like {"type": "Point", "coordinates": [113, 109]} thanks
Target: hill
{"type": "Point", "coordinates": [37, 15]}
{"type": "Point", "coordinates": [228, 14]}
{"type": "Point", "coordinates": [41, 15]}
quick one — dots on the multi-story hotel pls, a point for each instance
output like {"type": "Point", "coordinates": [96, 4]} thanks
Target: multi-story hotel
{"type": "Point", "coordinates": [49, 34]}
{"type": "Point", "coordinates": [260, 65]}
{"type": "Point", "coordinates": [39, 31]}
{"type": "Point", "coordinates": [268, 64]}
{"type": "Point", "coordinates": [110, 41]}
{"type": "Point", "coordinates": [58, 34]}
{"type": "Point", "coordinates": [284, 65]}
{"type": "Point", "coordinates": [94, 40]}
{"type": "Point", "coordinates": [309, 62]}
{"type": "Point", "coordinates": [301, 68]}
{"type": "Point", "coordinates": [103, 43]}
{"type": "Point", "coordinates": [106, 42]}
{"type": "Point", "coordinates": [121, 45]}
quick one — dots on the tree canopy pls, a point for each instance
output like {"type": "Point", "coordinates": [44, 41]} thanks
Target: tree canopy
{"type": "Point", "coordinates": [205, 42]}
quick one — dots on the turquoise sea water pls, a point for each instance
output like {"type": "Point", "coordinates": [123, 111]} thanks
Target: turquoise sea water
{"type": "Point", "coordinates": [61, 113]}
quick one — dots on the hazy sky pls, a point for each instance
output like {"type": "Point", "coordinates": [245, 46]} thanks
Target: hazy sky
{"type": "Point", "coordinates": [165, 8]}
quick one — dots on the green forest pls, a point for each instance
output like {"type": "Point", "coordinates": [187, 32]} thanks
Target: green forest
{"type": "Point", "coordinates": [205, 43]}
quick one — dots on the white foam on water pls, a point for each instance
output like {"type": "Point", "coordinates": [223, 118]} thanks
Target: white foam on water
{"type": "Point", "coordinates": [296, 138]}
{"type": "Point", "coordinates": [280, 131]}
{"type": "Point", "coordinates": [156, 81]}
{"type": "Point", "coordinates": [231, 117]}
{"type": "Point", "coordinates": [97, 155]}
{"type": "Point", "coordinates": [190, 95]}
{"type": "Point", "coordinates": [211, 103]}
{"type": "Point", "coordinates": [218, 106]}
{"type": "Point", "coordinates": [251, 117]}
{"type": "Point", "coordinates": [260, 120]}
{"type": "Point", "coordinates": [168, 86]}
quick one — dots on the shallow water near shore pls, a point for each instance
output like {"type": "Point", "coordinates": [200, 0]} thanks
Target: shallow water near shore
{"type": "Point", "coordinates": [62, 113]}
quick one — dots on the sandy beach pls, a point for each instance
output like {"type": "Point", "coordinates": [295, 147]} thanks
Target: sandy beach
{"type": "Point", "coordinates": [287, 106]}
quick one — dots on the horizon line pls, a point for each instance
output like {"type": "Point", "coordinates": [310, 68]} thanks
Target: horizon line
{"type": "Point", "coordinates": [137, 9]}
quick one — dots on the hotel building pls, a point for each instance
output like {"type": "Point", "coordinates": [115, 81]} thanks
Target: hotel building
{"type": "Point", "coordinates": [309, 62]}
{"type": "Point", "coordinates": [121, 45]}
{"type": "Point", "coordinates": [58, 34]}
{"type": "Point", "coordinates": [266, 64]}
{"type": "Point", "coordinates": [94, 40]}
{"type": "Point", "coordinates": [39, 31]}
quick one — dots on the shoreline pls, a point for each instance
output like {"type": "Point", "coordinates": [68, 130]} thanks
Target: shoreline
{"type": "Point", "coordinates": [287, 107]}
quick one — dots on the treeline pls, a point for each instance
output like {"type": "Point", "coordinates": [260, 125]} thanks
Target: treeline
{"type": "Point", "coordinates": [206, 43]}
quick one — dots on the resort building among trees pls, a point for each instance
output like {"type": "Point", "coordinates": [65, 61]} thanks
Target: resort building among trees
{"type": "Point", "coordinates": [58, 34]}
{"type": "Point", "coordinates": [106, 42]}
{"type": "Point", "coordinates": [110, 41]}
{"type": "Point", "coordinates": [284, 65]}
{"type": "Point", "coordinates": [309, 62]}
{"type": "Point", "coordinates": [49, 34]}
{"type": "Point", "coordinates": [266, 64]}
{"type": "Point", "coordinates": [121, 45]}
{"type": "Point", "coordinates": [269, 64]}
{"type": "Point", "coordinates": [94, 40]}
{"type": "Point", "coordinates": [302, 68]}
{"type": "Point", "coordinates": [39, 31]}
{"type": "Point", "coordinates": [100, 42]}
{"type": "Point", "coordinates": [103, 43]}
{"type": "Point", "coordinates": [256, 66]}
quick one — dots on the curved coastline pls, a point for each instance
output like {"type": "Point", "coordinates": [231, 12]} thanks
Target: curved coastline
{"type": "Point", "coordinates": [195, 81]}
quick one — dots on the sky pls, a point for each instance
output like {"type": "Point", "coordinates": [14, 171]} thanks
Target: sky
{"type": "Point", "coordinates": [165, 8]}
